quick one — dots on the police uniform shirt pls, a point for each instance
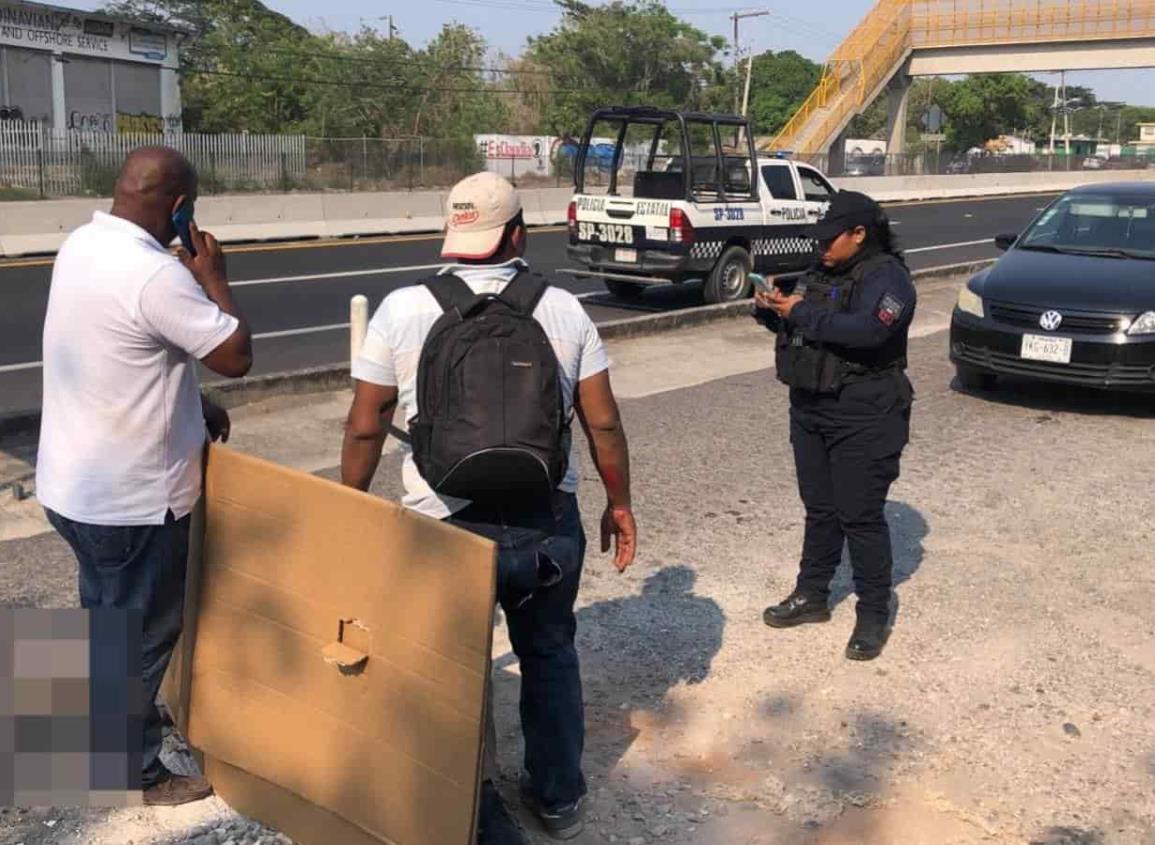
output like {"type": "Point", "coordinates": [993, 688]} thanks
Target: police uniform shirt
{"type": "Point", "coordinates": [881, 309]}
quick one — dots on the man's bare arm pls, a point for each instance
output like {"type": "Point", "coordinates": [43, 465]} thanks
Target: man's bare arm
{"type": "Point", "coordinates": [365, 431]}
{"type": "Point", "coordinates": [598, 412]}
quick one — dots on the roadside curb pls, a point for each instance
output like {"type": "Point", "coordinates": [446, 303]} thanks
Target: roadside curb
{"type": "Point", "coordinates": [251, 389]}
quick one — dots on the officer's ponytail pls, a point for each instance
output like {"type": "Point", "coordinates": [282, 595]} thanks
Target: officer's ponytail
{"type": "Point", "coordinates": [880, 235]}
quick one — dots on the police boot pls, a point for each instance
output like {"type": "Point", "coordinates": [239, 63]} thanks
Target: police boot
{"type": "Point", "coordinates": [868, 639]}
{"type": "Point", "coordinates": [797, 609]}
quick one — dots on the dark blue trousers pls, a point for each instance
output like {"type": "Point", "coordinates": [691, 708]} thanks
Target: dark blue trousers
{"type": "Point", "coordinates": [847, 452]}
{"type": "Point", "coordinates": [541, 630]}
{"type": "Point", "coordinates": [142, 568]}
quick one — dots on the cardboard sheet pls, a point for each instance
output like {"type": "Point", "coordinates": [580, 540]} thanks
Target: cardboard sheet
{"type": "Point", "coordinates": [335, 657]}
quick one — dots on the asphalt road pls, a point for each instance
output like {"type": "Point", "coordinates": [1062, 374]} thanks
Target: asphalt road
{"type": "Point", "coordinates": [296, 295]}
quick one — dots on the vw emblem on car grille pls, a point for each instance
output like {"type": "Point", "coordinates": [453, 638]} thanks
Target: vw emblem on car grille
{"type": "Point", "coordinates": [1051, 320]}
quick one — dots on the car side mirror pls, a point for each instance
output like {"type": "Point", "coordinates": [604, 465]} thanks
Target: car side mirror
{"type": "Point", "coordinates": [1005, 241]}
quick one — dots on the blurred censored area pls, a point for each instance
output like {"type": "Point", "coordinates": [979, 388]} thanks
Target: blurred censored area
{"type": "Point", "coordinates": [71, 708]}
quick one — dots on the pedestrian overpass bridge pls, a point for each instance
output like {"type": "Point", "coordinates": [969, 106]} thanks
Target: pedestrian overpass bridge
{"type": "Point", "coordinates": [902, 39]}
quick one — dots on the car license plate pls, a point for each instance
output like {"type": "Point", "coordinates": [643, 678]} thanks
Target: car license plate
{"type": "Point", "coordinates": [1056, 350]}
{"type": "Point", "coordinates": [605, 233]}
{"type": "Point", "coordinates": [626, 256]}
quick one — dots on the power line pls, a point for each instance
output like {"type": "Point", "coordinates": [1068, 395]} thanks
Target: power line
{"type": "Point", "coordinates": [510, 5]}
{"type": "Point", "coordinates": [302, 80]}
{"type": "Point", "coordinates": [391, 62]}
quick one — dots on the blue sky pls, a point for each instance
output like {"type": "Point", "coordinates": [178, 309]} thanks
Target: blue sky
{"type": "Point", "coordinates": [813, 29]}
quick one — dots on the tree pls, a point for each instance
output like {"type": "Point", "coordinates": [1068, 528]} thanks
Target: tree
{"type": "Point", "coordinates": [987, 105]}
{"type": "Point", "coordinates": [779, 85]}
{"type": "Point", "coordinates": [242, 67]}
{"type": "Point", "coordinates": [624, 53]}
{"type": "Point", "coordinates": [249, 69]}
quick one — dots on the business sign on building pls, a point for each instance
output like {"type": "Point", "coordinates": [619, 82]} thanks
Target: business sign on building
{"type": "Point", "coordinates": [63, 31]}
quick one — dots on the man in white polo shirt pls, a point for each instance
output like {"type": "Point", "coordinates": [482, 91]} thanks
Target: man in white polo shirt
{"type": "Point", "coordinates": [124, 426]}
{"type": "Point", "coordinates": [486, 238]}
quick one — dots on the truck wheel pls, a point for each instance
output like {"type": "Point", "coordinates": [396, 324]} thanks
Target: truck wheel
{"type": "Point", "coordinates": [728, 280]}
{"type": "Point", "coordinates": [625, 290]}
{"type": "Point", "coordinates": [971, 379]}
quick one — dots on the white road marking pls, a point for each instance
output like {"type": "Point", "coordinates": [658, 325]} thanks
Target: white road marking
{"type": "Point", "coordinates": [15, 368]}
{"type": "Point", "coordinates": [948, 246]}
{"type": "Point", "coordinates": [347, 274]}
{"type": "Point", "coordinates": [332, 327]}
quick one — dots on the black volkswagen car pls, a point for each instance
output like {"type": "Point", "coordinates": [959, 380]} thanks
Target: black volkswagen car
{"type": "Point", "coordinates": [1073, 299]}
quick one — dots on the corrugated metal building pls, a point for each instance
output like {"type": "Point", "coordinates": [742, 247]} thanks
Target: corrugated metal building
{"type": "Point", "coordinates": [68, 69]}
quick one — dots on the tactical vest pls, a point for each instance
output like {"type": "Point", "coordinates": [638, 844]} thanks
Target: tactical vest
{"type": "Point", "coordinates": [825, 368]}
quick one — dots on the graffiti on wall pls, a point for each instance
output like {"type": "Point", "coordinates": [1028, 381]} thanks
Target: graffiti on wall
{"type": "Point", "coordinates": [146, 124]}
{"type": "Point", "coordinates": [91, 121]}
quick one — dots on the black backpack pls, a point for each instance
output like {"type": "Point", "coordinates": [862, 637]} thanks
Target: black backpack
{"type": "Point", "coordinates": [491, 424]}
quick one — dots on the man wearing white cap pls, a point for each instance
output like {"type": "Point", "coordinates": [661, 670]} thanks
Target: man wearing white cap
{"type": "Point", "coordinates": [486, 239]}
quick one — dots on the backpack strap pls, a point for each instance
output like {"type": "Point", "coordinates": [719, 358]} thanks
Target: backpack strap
{"type": "Point", "coordinates": [450, 291]}
{"type": "Point", "coordinates": [525, 292]}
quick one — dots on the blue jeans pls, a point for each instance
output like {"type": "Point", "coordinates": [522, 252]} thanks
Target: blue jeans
{"type": "Point", "coordinates": [541, 630]}
{"type": "Point", "coordinates": [137, 567]}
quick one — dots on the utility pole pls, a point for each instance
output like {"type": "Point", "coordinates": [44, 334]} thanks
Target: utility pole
{"type": "Point", "coordinates": [394, 31]}
{"type": "Point", "coordinates": [742, 102]}
{"type": "Point", "coordinates": [1054, 120]}
{"type": "Point", "coordinates": [1066, 118]}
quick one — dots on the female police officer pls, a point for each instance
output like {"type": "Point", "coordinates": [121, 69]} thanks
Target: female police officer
{"type": "Point", "coordinates": [841, 347]}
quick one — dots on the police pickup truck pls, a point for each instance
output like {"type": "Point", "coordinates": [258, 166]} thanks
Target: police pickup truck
{"type": "Point", "coordinates": [685, 196]}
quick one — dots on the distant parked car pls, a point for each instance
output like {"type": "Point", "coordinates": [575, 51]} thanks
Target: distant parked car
{"type": "Point", "coordinates": [1093, 163]}
{"type": "Point", "coordinates": [865, 165]}
{"type": "Point", "coordinates": [959, 165]}
{"type": "Point", "coordinates": [1073, 299]}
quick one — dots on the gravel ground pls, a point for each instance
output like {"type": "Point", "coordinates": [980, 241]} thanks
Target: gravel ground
{"type": "Point", "coordinates": [1013, 704]}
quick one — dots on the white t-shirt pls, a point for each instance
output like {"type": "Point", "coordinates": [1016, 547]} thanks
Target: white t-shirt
{"type": "Point", "coordinates": [401, 324]}
{"type": "Point", "coordinates": [122, 432]}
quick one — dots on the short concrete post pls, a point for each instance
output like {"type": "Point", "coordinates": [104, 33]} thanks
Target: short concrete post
{"type": "Point", "coordinates": [358, 324]}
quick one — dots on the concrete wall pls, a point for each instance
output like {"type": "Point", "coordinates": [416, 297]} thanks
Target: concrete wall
{"type": "Point", "coordinates": [28, 228]}
{"type": "Point", "coordinates": [898, 188]}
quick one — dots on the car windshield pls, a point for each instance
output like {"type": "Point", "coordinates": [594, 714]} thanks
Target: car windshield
{"type": "Point", "coordinates": [1120, 225]}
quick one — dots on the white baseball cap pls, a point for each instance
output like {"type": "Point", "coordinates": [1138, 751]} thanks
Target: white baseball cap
{"type": "Point", "coordinates": [480, 206]}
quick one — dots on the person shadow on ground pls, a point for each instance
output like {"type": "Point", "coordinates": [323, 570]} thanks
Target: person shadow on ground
{"type": "Point", "coordinates": [908, 529]}
{"type": "Point", "coordinates": [633, 651]}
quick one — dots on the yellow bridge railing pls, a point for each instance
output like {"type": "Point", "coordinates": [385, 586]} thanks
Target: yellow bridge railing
{"type": "Point", "coordinates": [893, 28]}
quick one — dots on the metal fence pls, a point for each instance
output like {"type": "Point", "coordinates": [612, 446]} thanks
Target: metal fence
{"type": "Point", "coordinates": [946, 163]}
{"type": "Point", "coordinates": [37, 163]}
{"type": "Point", "coordinates": [409, 164]}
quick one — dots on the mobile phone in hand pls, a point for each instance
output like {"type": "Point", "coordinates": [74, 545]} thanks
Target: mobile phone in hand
{"type": "Point", "coordinates": [181, 218]}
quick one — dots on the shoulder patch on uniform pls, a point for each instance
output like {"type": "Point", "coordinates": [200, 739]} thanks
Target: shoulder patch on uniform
{"type": "Point", "coordinates": [890, 309]}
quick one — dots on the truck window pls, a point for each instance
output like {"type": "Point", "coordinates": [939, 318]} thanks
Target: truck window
{"type": "Point", "coordinates": [600, 157]}
{"type": "Point", "coordinates": [780, 181]}
{"type": "Point", "coordinates": [703, 148]}
{"type": "Point", "coordinates": [657, 149]}
{"type": "Point", "coordinates": [814, 187]}
{"type": "Point", "coordinates": [648, 158]}
{"type": "Point", "coordinates": [736, 176]}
